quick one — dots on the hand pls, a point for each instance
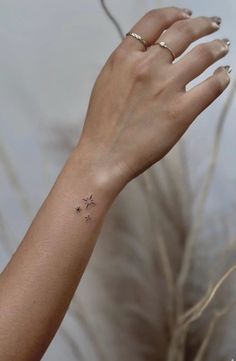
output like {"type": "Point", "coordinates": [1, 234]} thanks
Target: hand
{"type": "Point", "coordinates": [139, 107]}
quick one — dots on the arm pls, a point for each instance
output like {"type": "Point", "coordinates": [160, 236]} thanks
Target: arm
{"type": "Point", "coordinates": [139, 109]}
{"type": "Point", "coordinates": [37, 285]}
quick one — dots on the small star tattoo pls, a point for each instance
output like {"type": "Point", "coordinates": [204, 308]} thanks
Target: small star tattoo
{"type": "Point", "coordinates": [78, 209]}
{"type": "Point", "coordinates": [88, 218]}
{"type": "Point", "coordinates": [89, 201]}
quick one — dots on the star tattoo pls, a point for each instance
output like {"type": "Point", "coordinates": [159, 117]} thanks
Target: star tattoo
{"type": "Point", "coordinates": [89, 202]}
{"type": "Point", "coordinates": [87, 218]}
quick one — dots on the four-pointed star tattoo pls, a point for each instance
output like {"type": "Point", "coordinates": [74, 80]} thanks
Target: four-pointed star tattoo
{"type": "Point", "coordinates": [89, 201]}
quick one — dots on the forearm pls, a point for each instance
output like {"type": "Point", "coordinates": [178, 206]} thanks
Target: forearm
{"type": "Point", "coordinates": [37, 285]}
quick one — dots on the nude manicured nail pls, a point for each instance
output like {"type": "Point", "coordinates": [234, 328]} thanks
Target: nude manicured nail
{"type": "Point", "coordinates": [217, 20]}
{"type": "Point", "coordinates": [188, 11]}
{"type": "Point", "coordinates": [227, 41]}
{"type": "Point", "coordinates": [228, 68]}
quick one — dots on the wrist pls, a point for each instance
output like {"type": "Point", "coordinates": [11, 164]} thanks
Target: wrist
{"type": "Point", "coordinates": [97, 171]}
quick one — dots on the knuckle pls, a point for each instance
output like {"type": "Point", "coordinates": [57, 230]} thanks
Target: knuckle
{"type": "Point", "coordinates": [152, 13]}
{"type": "Point", "coordinates": [221, 45]}
{"type": "Point", "coordinates": [205, 24]}
{"type": "Point", "coordinates": [140, 69]}
{"type": "Point", "coordinates": [205, 19]}
{"type": "Point", "coordinates": [160, 15]}
{"type": "Point", "coordinates": [171, 11]}
{"type": "Point", "coordinates": [217, 85]}
{"type": "Point", "coordinates": [164, 15]}
{"type": "Point", "coordinates": [186, 26]}
{"type": "Point", "coordinates": [206, 51]}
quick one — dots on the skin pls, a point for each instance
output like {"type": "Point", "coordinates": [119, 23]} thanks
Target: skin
{"type": "Point", "coordinates": [138, 110]}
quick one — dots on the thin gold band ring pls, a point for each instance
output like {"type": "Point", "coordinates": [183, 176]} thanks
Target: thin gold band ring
{"type": "Point", "coordinates": [162, 44]}
{"type": "Point", "coordinates": [139, 38]}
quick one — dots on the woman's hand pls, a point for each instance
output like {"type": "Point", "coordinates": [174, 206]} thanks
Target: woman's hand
{"type": "Point", "coordinates": [139, 106]}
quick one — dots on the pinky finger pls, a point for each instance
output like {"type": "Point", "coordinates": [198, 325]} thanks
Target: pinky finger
{"type": "Point", "coordinates": [203, 94]}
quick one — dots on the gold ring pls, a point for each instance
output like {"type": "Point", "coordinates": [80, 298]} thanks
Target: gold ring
{"type": "Point", "coordinates": [139, 38]}
{"type": "Point", "coordinates": [162, 44]}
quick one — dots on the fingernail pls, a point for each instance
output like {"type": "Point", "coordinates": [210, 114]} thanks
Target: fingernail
{"type": "Point", "coordinates": [217, 20]}
{"type": "Point", "coordinates": [187, 11]}
{"type": "Point", "coordinates": [227, 41]}
{"type": "Point", "coordinates": [228, 68]}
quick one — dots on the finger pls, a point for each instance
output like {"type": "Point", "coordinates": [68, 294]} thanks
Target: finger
{"type": "Point", "coordinates": [152, 24]}
{"type": "Point", "coordinates": [199, 59]}
{"type": "Point", "coordinates": [202, 95]}
{"type": "Point", "coordinates": [182, 33]}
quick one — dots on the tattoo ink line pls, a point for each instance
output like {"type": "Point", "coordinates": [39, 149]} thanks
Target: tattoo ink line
{"type": "Point", "coordinates": [78, 209]}
{"type": "Point", "coordinates": [89, 201]}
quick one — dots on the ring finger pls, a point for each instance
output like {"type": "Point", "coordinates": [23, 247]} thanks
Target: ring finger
{"type": "Point", "coordinates": [182, 33]}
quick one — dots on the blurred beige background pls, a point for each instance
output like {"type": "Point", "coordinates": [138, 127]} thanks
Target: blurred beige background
{"type": "Point", "coordinates": [51, 53]}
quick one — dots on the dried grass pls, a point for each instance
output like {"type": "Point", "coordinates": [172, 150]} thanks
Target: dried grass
{"type": "Point", "coordinates": [10, 172]}
{"type": "Point", "coordinates": [179, 332]}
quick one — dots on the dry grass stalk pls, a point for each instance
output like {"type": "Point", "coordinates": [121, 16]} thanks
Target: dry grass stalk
{"type": "Point", "coordinates": [218, 314]}
{"type": "Point", "coordinates": [73, 344]}
{"type": "Point", "coordinates": [178, 337]}
{"type": "Point", "coordinates": [166, 265]}
{"type": "Point", "coordinates": [80, 316]}
{"type": "Point", "coordinates": [147, 185]}
{"type": "Point", "coordinates": [196, 311]}
{"type": "Point", "coordinates": [12, 175]}
{"type": "Point", "coordinates": [184, 169]}
{"type": "Point", "coordinates": [5, 238]}
{"type": "Point", "coordinates": [196, 224]}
